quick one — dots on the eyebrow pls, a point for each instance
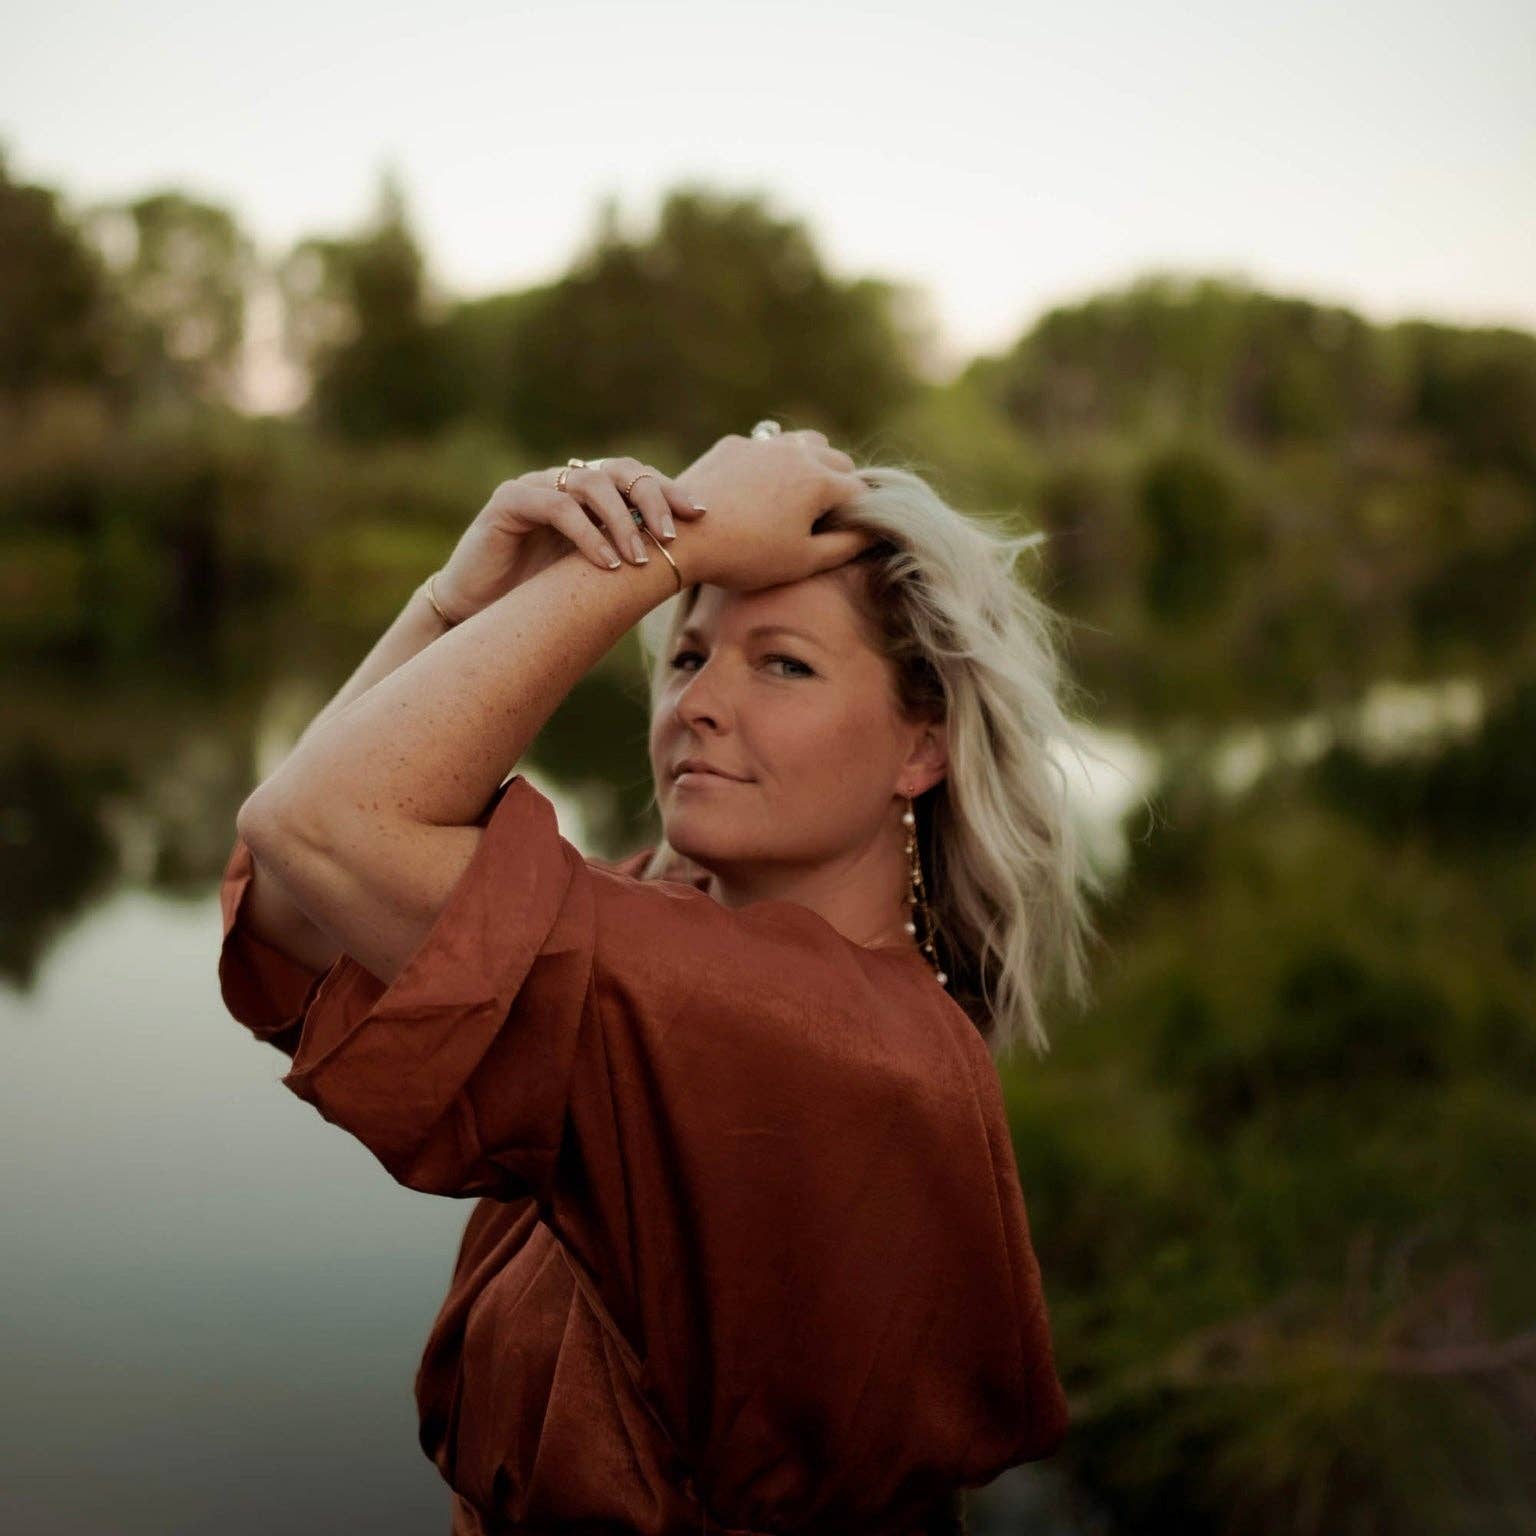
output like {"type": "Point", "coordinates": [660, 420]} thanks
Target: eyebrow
{"type": "Point", "coordinates": [692, 632]}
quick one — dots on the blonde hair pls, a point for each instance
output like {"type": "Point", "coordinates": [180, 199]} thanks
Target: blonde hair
{"type": "Point", "coordinates": [1006, 871]}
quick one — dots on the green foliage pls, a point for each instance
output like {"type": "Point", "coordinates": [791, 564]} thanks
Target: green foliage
{"type": "Point", "coordinates": [358, 315]}
{"type": "Point", "coordinates": [1198, 354]}
{"type": "Point", "coordinates": [1190, 516]}
{"type": "Point", "coordinates": [147, 530]}
{"type": "Point", "coordinates": [724, 314]}
{"type": "Point", "coordinates": [1293, 1287]}
{"type": "Point", "coordinates": [1478, 793]}
{"type": "Point", "coordinates": [55, 305]}
{"type": "Point", "coordinates": [1475, 391]}
{"type": "Point", "coordinates": [179, 270]}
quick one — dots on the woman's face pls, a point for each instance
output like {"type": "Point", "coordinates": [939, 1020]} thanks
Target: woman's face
{"type": "Point", "coordinates": [806, 723]}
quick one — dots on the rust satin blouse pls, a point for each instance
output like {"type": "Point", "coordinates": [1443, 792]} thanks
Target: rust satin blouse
{"type": "Point", "coordinates": [749, 1252]}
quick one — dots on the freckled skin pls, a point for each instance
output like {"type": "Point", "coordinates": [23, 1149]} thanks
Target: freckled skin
{"type": "Point", "coordinates": [815, 729]}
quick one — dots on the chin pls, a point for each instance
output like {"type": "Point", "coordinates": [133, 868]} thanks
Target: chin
{"type": "Point", "coordinates": [696, 835]}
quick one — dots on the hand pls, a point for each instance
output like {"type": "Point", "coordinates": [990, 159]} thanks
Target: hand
{"type": "Point", "coordinates": [527, 524]}
{"type": "Point", "coordinates": [764, 494]}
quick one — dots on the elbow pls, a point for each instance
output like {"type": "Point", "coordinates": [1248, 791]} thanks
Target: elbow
{"type": "Point", "coordinates": [251, 821]}
{"type": "Point", "coordinates": [281, 827]}
{"type": "Point", "coordinates": [263, 821]}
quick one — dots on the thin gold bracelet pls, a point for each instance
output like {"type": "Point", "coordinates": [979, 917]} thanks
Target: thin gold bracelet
{"type": "Point", "coordinates": [437, 607]}
{"type": "Point", "coordinates": [663, 548]}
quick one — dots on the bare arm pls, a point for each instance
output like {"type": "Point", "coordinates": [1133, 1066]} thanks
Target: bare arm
{"type": "Point", "coordinates": [272, 913]}
{"type": "Point", "coordinates": [371, 820]}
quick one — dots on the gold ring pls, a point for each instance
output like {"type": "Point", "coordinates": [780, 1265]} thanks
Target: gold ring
{"type": "Point", "coordinates": [638, 478]}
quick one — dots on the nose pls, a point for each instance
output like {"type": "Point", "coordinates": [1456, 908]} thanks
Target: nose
{"type": "Point", "coordinates": [701, 701]}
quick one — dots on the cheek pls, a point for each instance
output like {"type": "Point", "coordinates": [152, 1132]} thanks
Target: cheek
{"type": "Point", "coordinates": [825, 743]}
{"type": "Point", "coordinates": [662, 750]}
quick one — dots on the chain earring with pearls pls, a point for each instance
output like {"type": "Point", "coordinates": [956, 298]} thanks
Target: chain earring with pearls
{"type": "Point", "coordinates": [917, 898]}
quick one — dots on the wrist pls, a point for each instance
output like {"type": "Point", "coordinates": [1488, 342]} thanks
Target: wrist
{"type": "Point", "coordinates": [687, 553]}
{"type": "Point", "coordinates": [446, 612]}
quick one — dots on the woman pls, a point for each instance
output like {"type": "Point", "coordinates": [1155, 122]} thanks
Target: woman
{"type": "Point", "coordinates": [750, 1253]}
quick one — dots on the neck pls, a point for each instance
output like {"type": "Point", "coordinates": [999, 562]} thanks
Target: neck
{"type": "Point", "coordinates": [862, 894]}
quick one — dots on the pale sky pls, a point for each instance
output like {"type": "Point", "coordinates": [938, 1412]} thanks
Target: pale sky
{"type": "Point", "coordinates": [1003, 156]}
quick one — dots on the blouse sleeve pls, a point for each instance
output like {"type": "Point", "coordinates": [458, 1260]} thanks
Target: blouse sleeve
{"type": "Point", "coordinates": [780, 1173]}
{"type": "Point", "coordinates": [263, 988]}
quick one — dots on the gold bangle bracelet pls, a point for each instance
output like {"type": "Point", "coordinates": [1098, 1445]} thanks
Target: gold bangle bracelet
{"type": "Point", "coordinates": [437, 607]}
{"type": "Point", "coordinates": [663, 548]}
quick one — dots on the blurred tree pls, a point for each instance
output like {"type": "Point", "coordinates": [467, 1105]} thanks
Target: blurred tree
{"type": "Point", "coordinates": [359, 317]}
{"type": "Point", "coordinates": [1475, 390]}
{"type": "Point", "coordinates": [181, 269]}
{"type": "Point", "coordinates": [1190, 516]}
{"type": "Point", "coordinates": [56, 309]}
{"type": "Point", "coordinates": [1476, 793]}
{"type": "Point", "coordinates": [1084, 556]}
{"type": "Point", "coordinates": [1172, 353]}
{"type": "Point", "coordinates": [723, 315]}
{"type": "Point", "coordinates": [482, 336]}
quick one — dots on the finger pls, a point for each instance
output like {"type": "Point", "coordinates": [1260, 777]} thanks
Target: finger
{"type": "Point", "coordinates": [833, 458]}
{"type": "Point", "coordinates": [825, 453]}
{"type": "Point", "coordinates": [595, 490]}
{"type": "Point", "coordinates": [834, 549]}
{"type": "Point", "coordinates": [544, 479]}
{"type": "Point", "coordinates": [843, 488]}
{"type": "Point", "coordinates": [649, 498]}
{"type": "Point", "coordinates": [680, 501]}
{"type": "Point", "coordinates": [561, 510]}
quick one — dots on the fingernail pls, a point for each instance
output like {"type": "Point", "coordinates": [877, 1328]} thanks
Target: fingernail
{"type": "Point", "coordinates": [613, 560]}
{"type": "Point", "coordinates": [699, 506]}
{"type": "Point", "coordinates": [638, 545]}
{"type": "Point", "coordinates": [667, 526]}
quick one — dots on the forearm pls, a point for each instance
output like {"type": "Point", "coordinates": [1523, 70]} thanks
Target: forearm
{"type": "Point", "coordinates": [270, 913]}
{"type": "Point", "coordinates": [430, 742]}
{"type": "Point", "coordinates": [413, 629]}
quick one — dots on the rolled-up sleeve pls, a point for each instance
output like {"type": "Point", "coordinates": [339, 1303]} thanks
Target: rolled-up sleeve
{"type": "Point", "coordinates": [456, 1074]}
{"type": "Point", "coordinates": [263, 988]}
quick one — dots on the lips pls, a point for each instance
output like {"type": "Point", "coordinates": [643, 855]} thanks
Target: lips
{"type": "Point", "coordinates": [698, 765]}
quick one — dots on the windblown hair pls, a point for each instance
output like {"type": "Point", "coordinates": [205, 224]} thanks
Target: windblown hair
{"type": "Point", "coordinates": [1005, 869]}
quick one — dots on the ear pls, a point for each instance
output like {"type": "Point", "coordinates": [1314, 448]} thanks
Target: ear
{"type": "Point", "coordinates": [928, 760]}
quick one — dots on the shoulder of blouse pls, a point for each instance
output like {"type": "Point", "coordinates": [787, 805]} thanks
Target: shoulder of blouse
{"type": "Point", "coordinates": [678, 869]}
{"type": "Point", "coordinates": [770, 953]}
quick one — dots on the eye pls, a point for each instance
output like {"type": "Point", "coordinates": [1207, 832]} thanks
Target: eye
{"type": "Point", "coordinates": [805, 669]}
